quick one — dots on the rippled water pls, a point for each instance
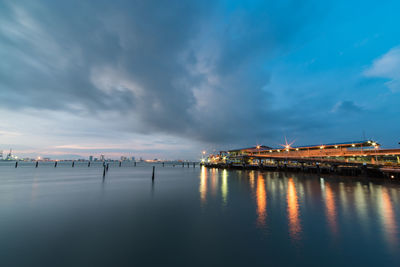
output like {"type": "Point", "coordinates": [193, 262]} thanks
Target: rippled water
{"type": "Point", "coordinates": [193, 217]}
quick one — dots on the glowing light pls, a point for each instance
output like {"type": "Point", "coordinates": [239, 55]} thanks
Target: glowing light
{"type": "Point", "coordinates": [321, 147]}
{"type": "Point", "coordinates": [374, 144]}
{"type": "Point", "coordinates": [279, 150]}
{"type": "Point", "coordinates": [336, 146]}
{"type": "Point", "coordinates": [258, 147]}
{"type": "Point", "coordinates": [204, 152]}
{"type": "Point", "coordinates": [297, 149]}
{"type": "Point", "coordinates": [353, 145]}
{"type": "Point", "coordinates": [287, 149]}
{"type": "Point", "coordinates": [270, 151]}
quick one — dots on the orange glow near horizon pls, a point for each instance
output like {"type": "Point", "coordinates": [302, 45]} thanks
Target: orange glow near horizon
{"type": "Point", "coordinates": [293, 211]}
{"type": "Point", "coordinates": [261, 201]}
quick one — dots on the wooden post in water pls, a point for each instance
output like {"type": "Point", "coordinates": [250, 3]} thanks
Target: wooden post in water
{"type": "Point", "coordinates": [16, 164]}
{"type": "Point", "coordinates": [183, 164]}
{"type": "Point", "coordinates": [163, 164]}
{"type": "Point", "coordinates": [152, 176]}
{"type": "Point", "coordinates": [88, 164]}
{"type": "Point", "coordinates": [188, 164]}
{"type": "Point", "coordinates": [107, 166]}
{"type": "Point", "coordinates": [73, 164]}
{"type": "Point", "coordinates": [104, 170]}
{"type": "Point", "coordinates": [120, 163]}
{"type": "Point", "coordinates": [55, 164]}
{"type": "Point", "coordinates": [194, 165]}
{"type": "Point", "coordinates": [134, 163]}
{"type": "Point", "coordinates": [37, 164]}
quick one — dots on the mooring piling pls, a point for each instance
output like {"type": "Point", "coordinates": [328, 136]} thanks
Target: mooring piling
{"type": "Point", "coordinates": [134, 163]}
{"type": "Point", "coordinates": [16, 164]}
{"type": "Point", "coordinates": [152, 176]}
{"type": "Point", "coordinates": [37, 164]}
{"type": "Point", "coordinates": [194, 165]}
{"type": "Point", "coordinates": [73, 164]}
{"type": "Point", "coordinates": [55, 164]}
{"type": "Point", "coordinates": [107, 166]}
{"type": "Point", "coordinates": [163, 164]}
{"type": "Point", "coordinates": [120, 163]}
{"type": "Point", "coordinates": [183, 164]}
{"type": "Point", "coordinates": [88, 164]}
{"type": "Point", "coordinates": [104, 171]}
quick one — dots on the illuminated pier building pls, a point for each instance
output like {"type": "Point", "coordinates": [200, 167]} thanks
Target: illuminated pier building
{"type": "Point", "coordinates": [356, 156]}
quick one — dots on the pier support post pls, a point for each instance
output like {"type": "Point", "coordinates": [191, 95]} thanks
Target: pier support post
{"type": "Point", "coordinates": [16, 164]}
{"type": "Point", "coordinates": [120, 163]}
{"type": "Point", "coordinates": [134, 163]}
{"type": "Point", "coordinates": [37, 164]}
{"type": "Point", "coordinates": [73, 164]}
{"type": "Point", "coordinates": [163, 164]}
{"type": "Point", "coordinates": [107, 166]}
{"type": "Point", "coordinates": [55, 164]}
{"type": "Point", "coordinates": [104, 170]}
{"type": "Point", "coordinates": [194, 165]}
{"type": "Point", "coordinates": [152, 176]}
{"type": "Point", "coordinates": [88, 164]}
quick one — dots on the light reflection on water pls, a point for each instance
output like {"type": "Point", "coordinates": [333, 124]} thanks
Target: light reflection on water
{"type": "Point", "coordinates": [388, 219]}
{"type": "Point", "coordinates": [203, 184]}
{"type": "Point", "coordinates": [293, 211]}
{"type": "Point", "coordinates": [330, 206]}
{"type": "Point", "coordinates": [261, 201]}
{"type": "Point", "coordinates": [224, 187]}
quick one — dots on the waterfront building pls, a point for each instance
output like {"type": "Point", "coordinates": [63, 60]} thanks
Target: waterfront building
{"type": "Point", "coordinates": [367, 151]}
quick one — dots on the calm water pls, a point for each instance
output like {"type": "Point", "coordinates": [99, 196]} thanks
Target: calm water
{"type": "Point", "coordinates": [193, 217]}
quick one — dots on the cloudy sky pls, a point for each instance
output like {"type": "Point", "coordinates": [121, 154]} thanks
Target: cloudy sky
{"type": "Point", "coordinates": [168, 79]}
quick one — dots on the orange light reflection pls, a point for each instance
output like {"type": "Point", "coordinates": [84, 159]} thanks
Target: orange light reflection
{"type": "Point", "coordinates": [293, 211]}
{"type": "Point", "coordinates": [330, 208]}
{"type": "Point", "coordinates": [261, 201]}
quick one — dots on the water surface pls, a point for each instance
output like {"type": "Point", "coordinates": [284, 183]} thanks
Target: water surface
{"type": "Point", "coordinates": [68, 216]}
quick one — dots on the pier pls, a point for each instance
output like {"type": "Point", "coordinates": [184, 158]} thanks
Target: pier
{"type": "Point", "coordinates": [350, 158]}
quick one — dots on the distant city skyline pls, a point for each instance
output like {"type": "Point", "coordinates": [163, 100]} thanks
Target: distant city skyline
{"type": "Point", "coordinates": [171, 79]}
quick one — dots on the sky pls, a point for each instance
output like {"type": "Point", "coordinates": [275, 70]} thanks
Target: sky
{"type": "Point", "coordinates": [169, 79]}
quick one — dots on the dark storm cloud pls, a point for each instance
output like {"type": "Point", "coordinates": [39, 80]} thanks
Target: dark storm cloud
{"type": "Point", "coordinates": [195, 69]}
